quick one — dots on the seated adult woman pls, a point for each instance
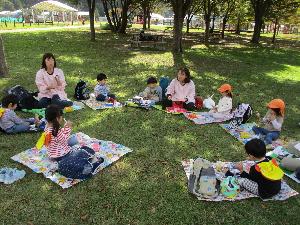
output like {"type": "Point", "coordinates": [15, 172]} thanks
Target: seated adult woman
{"type": "Point", "coordinates": [51, 84]}
{"type": "Point", "coordinates": [181, 89]}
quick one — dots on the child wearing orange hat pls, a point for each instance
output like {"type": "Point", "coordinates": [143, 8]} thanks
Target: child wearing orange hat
{"type": "Point", "coordinates": [224, 107]}
{"type": "Point", "coordinates": [272, 121]}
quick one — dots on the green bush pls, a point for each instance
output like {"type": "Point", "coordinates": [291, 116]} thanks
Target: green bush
{"type": "Point", "coordinates": [105, 26]}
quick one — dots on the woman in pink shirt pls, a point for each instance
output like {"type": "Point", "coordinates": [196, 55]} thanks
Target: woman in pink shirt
{"type": "Point", "coordinates": [51, 84]}
{"type": "Point", "coordinates": [181, 89]}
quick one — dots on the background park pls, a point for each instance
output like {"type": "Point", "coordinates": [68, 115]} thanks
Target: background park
{"type": "Point", "coordinates": [251, 44]}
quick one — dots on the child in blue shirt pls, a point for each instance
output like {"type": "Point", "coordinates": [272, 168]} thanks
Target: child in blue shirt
{"type": "Point", "coordinates": [102, 91]}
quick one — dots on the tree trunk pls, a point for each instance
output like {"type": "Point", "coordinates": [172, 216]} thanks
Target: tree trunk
{"type": "Point", "coordinates": [238, 27]}
{"type": "Point", "coordinates": [213, 25]}
{"type": "Point", "coordinates": [207, 23]}
{"type": "Point", "coordinates": [178, 24]}
{"type": "Point", "coordinates": [3, 66]}
{"type": "Point", "coordinates": [275, 29]}
{"type": "Point", "coordinates": [124, 16]}
{"type": "Point", "coordinates": [187, 25]}
{"type": "Point", "coordinates": [144, 18]}
{"type": "Point", "coordinates": [223, 26]}
{"type": "Point", "coordinates": [105, 8]}
{"type": "Point", "coordinates": [257, 27]}
{"type": "Point", "coordinates": [149, 17]}
{"type": "Point", "coordinates": [91, 4]}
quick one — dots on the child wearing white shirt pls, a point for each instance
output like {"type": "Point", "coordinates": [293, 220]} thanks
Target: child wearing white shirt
{"type": "Point", "coordinates": [224, 107]}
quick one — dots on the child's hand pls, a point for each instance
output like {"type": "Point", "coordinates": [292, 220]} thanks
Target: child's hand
{"type": "Point", "coordinates": [36, 119]}
{"type": "Point", "coordinates": [239, 166]}
{"type": "Point", "coordinates": [272, 117]}
{"type": "Point", "coordinates": [68, 123]}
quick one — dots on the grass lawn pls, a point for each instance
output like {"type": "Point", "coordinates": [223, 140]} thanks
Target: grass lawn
{"type": "Point", "coordinates": [147, 186]}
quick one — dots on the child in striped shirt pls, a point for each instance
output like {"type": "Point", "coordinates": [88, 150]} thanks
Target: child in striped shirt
{"type": "Point", "coordinates": [74, 161]}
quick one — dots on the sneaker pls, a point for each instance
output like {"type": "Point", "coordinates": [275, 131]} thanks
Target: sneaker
{"type": "Point", "coordinates": [97, 166]}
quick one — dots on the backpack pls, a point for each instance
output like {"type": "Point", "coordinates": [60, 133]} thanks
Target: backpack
{"type": "Point", "coordinates": [164, 83]}
{"type": "Point", "coordinates": [81, 91]}
{"type": "Point", "coordinates": [270, 170]}
{"type": "Point", "coordinates": [241, 115]}
{"type": "Point", "coordinates": [230, 187]}
{"type": "Point", "coordinates": [26, 100]}
{"type": "Point", "coordinates": [198, 102]}
{"type": "Point", "coordinates": [203, 181]}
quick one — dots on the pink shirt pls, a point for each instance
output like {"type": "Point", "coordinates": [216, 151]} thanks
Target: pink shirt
{"type": "Point", "coordinates": [44, 80]}
{"type": "Point", "coordinates": [181, 92]}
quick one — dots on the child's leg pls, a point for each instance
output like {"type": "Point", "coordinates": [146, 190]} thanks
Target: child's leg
{"type": "Point", "coordinates": [272, 136]}
{"type": "Point", "coordinates": [259, 130]}
{"type": "Point", "coordinates": [101, 98]}
{"type": "Point", "coordinates": [44, 102]}
{"type": "Point", "coordinates": [61, 103]}
{"type": "Point", "coordinates": [249, 185]}
{"type": "Point", "coordinates": [18, 129]}
{"type": "Point", "coordinates": [190, 106]}
{"type": "Point", "coordinates": [30, 120]}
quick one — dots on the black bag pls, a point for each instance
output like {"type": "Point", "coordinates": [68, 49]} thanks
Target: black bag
{"type": "Point", "coordinates": [81, 91]}
{"type": "Point", "coordinates": [241, 115]}
{"type": "Point", "coordinates": [26, 99]}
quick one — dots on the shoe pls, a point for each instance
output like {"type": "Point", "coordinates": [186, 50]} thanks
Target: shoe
{"type": "Point", "coordinates": [97, 165]}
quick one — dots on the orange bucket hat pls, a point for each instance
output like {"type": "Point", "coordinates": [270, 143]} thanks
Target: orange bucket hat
{"type": "Point", "coordinates": [225, 87]}
{"type": "Point", "coordinates": [277, 104]}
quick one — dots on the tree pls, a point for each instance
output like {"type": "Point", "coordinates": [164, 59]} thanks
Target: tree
{"type": "Point", "coordinates": [91, 4]}
{"type": "Point", "coordinates": [116, 13]}
{"type": "Point", "coordinates": [147, 7]}
{"type": "Point", "coordinates": [193, 10]}
{"type": "Point", "coordinates": [208, 7]}
{"type": "Point", "coordinates": [260, 8]}
{"type": "Point", "coordinates": [281, 10]}
{"type": "Point", "coordinates": [3, 66]}
{"type": "Point", "coordinates": [180, 8]}
{"type": "Point", "coordinates": [240, 14]}
{"type": "Point", "coordinates": [227, 8]}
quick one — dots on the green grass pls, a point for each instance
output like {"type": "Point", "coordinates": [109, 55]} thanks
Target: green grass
{"type": "Point", "coordinates": [147, 186]}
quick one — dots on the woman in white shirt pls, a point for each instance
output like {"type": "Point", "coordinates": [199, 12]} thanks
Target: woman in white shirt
{"type": "Point", "coordinates": [224, 107]}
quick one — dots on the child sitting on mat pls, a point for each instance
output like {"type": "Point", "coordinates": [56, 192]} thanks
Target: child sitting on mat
{"type": "Point", "coordinates": [102, 91]}
{"type": "Point", "coordinates": [9, 121]}
{"type": "Point", "coordinates": [73, 161]}
{"type": "Point", "coordinates": [259, 181]}
{"type": "Point", "coordinates": [153, 91]}
{"type": "Point", "coordinates": [272, 122]}
{"type": "Point", "coordinates": [224, 107]}
{"type": "Point", "coordinates": [181, 89]}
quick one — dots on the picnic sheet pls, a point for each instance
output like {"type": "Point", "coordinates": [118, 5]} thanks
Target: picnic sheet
{"type": "Point", "coordinates": [285, 193]}
{"type": "Point", "coordinates": [280, 152]}
{"type": "Point", "coordinates": [130, 103]}
{"type": "Point", "coordinates": [41, 112]}
{"type": "Point", "coordinates": [95, 105]}
{"type": "Point", "coordinates": [170, 110]}
{"type": "Point", "coordinates": [244, 133]}
{"type": "Point", "coordinates": [38, 160]}
{"type": "Point", "coordinates": [204, 118]}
